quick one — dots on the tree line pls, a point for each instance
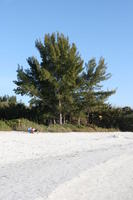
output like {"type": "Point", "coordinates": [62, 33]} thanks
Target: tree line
{"type": "Point", "coordinates": [107, 117]}
{"type": "Point", "coordinates": [63, 88]}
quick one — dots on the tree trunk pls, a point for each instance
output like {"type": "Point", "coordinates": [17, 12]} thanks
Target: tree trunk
{"type": "Point", "coordinates": [64, 119]}
{"type": "Point", "coordinates": [79, 121]}
{"type": "Point", "coordinates": [88, 118]}
{"type": "Point", "coordinates": [60, 118]}
{"type": "Point", "coordinates": [60, 112]}
{"type": "Point", "coordinates": [70, 119]}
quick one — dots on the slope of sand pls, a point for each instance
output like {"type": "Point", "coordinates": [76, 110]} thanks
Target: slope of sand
{"type": "Point", "coordinates": [69, 166]}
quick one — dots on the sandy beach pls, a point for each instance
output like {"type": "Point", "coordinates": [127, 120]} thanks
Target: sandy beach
{"type": "Point", "coordinates": [66, 166]}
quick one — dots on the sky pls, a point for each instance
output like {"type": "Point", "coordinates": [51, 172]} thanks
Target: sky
{"type": "Point", "coordinates": [97, 27]}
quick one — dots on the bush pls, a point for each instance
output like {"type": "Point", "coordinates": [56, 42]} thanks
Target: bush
{"type": "Point", "coordinates": [58, 128]}
{"type": "Point", "coordinates": [77, 128]}
{"type": "Point", "coordinates": [126, 123]}
{"type": "Point", "coordinates": [4, 126]}
{"type": "Point", "coordinates": [24, 124]}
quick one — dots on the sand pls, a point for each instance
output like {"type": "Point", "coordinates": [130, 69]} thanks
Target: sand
{"type": "Point", "coordinates": [66, 166]}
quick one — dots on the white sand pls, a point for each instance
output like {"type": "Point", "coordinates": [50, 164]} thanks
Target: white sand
{"type": "Point", "coordinates": [70, 166]}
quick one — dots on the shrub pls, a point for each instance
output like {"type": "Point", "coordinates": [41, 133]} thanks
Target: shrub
{"type": "Point", "coordinates": [24, 124]}
{"type": "Point", "coordinates": [4, 126]}
{"type": "Point", "coordinates": [58, 128]}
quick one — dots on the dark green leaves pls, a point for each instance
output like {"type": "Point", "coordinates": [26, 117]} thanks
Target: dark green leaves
{"type": "Point", "coordinates": [59, 84]}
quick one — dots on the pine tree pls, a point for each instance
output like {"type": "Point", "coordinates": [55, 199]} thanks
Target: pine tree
{"type": "Point", "coordinates": [52, 82]}
{"type": "Point", "coordinates": [93, 96]}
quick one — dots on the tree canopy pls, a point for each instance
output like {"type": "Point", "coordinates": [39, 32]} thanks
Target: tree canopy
{"type": "Point", "coordinates": [60, 85]}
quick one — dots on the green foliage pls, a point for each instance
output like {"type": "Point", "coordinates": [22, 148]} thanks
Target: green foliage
{"type": "Point", "coordinates": [4, 126]}
{"type": "Point", "coordinates": [126, 122]}
{"type": "Point", "coordinates": [24, 124]}
{"type": "Point", "coordinates": [13, 111]}
{"type": "Point", "coordinates": [77, 128]}
{"type": "Point", "coordinates": [93, 95]}
{"type": "Point", "coordinates": [8, 99]}
{"type": "Point", "coordinates": [58, 85]}
{"type": "Point", "coordinates": [111, 117]}
{"type": "Point", "coordinates": [58, 128]}
{"type": "Point", "coordinates": [63, 91]}
{"type": "Point", "coordinates": [51, 82]}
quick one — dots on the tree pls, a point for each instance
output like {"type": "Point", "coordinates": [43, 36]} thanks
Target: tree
{"type": "Point", "coordinates": [52, 82]}
{"type": "Point", "coordinates": [5, 100]}
{"type": "Point", "coordinates": [59, 86]}
{"type": "Point", "coordinates": [93, 96]}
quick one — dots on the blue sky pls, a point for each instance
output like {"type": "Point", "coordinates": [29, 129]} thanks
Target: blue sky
{"type": "Point", "coordinates": [98, 27]}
